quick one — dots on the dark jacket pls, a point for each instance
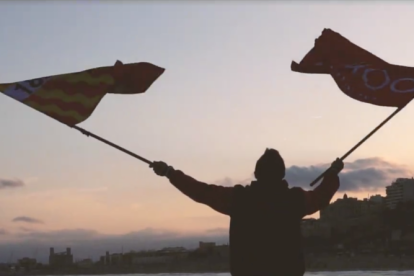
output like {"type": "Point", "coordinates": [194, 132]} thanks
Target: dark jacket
{"type": "Point", "coordinates": [265, 232]}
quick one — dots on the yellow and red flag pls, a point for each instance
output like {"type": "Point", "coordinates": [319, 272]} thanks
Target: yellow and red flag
{"type": "Point", "coordinates": [71, 98]}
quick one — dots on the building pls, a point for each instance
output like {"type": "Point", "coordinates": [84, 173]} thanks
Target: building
{"type": "Point", "coordinates": [27, 263]}
{"type": "Point", "coordinates": [400, 191]}
{"type": "Point", "coordinates": [116, 259]}
{"type": "Point", "coordinates": [348, 208]}
{"type": "Point", "coordinates": [86, 263]}
{"type": "Point", "coordinates": [173, 250]}
{"type": "Point", "coordinates": [223, 251]}
{"type": "Point", "coordinates": [342, 208]}
{"type": "Point", "coordinates": [152, 259]}
{"type": "Point", "coordinates": [107, 258]}
{"type": "Point", "coordinates": [60, 259]}
{"type": "Point", "coordinates": [377, 199]}
{"type": "Point", "coordinates": [206, 246]}
{"type": "Point", "coordinates": [351, 215]}
{"type": "Point", "coordinates": [163, 256]}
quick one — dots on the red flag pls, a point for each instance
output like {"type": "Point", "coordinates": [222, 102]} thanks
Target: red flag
{"type": "Point", "coordinates": [357, 72]}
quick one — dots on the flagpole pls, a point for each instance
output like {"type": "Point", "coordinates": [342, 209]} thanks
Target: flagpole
{"type": "Point", "coordinates": [90, 134]}
{"type": "Point", "coordinates": [362, 141]}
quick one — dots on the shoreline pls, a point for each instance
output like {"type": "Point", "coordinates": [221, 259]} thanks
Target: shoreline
{"type": "Point", "coordinates": [192, 272]}
{"type": "Point", "coordinates": [189, 272]}
{"type": "Point", "coordinates": [313, 264]}
{"type": "Point", "coordinates": [203, 272]}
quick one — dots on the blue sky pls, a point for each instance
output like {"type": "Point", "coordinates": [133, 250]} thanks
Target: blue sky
{"type": "Point", "coordinates": [227, 94]}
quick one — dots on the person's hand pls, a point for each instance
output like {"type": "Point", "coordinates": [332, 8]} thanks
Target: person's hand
{"type": "Point", "coordinates": [160, 168]}
{"type": "Point", "coordinates": [336, 166]}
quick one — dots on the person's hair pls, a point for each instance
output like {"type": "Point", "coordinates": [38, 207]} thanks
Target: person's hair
{"type": "Point", "coordinates": [270, 166]}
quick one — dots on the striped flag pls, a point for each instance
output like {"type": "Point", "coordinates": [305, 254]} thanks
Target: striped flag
{"type": "Point", "coordinates": [72, 98]}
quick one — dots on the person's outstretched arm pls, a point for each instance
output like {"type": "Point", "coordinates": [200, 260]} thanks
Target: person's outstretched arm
{"type": "Point", "coordinates": [217, 197]}
{"type": "Point", "coordinates": [321, 196]}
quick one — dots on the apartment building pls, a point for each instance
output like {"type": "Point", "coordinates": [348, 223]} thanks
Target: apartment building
{"type": "Point", "coordinates": [401, 190]}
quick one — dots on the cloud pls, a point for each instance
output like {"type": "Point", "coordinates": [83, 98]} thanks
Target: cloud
{"type": "Point", "coordinates": [25, 229]}
{"type": "Point", "coordinates": [218, 231]}
{"type": "Point", "coordinates": [3, 232]}
{"type": "Point", "coordinates": [27, 220]}
{"type": "Point", "coordinates": [89, 243]}
{"type": "Point", "coordinates": [369, 174]}
{"type": "Point", "coordinates": [11, 183]}
{"type": "Point", "coordinates": [92, 190]}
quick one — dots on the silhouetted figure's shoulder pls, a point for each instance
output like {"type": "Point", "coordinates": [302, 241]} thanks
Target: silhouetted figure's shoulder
{"type": "Point", "coordinates": [313, 200]}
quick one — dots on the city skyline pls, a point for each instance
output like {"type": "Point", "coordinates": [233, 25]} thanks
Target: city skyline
{"type": "Point", "coordinates": [89, 243]}
{"type": "Point", "coordinates": [224, 97]}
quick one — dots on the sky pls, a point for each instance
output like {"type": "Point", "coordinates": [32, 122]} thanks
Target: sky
{"type": "Point", "coordinates": [227, 94]}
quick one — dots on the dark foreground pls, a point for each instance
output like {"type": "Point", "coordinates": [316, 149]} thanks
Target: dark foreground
{"type": "Point", "coordinates": [327, 263]}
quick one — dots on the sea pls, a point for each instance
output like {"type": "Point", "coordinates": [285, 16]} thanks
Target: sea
{"type": "Point", "coordinates": [337, 273]}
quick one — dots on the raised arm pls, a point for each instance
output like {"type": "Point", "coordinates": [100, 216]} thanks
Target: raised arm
{"type": "Point", "coordinates": [321, 196]}
{"type": "Point", "coordinates": [217, 197]}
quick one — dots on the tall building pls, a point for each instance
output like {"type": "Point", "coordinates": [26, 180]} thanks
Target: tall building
{"type": "Point", "coordinates": [60, 259]}
{"type": "Point", "coordinates": [401, 190]}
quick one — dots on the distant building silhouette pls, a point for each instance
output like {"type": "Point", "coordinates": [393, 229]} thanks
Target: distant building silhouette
{"type": "Point", "coordinates": [60, 259]}
{"type": "Point", "coordinates": [352, 208]}
{"type": "Point", "coordinates": [107, 258]}
{"type": "Point", "coordinates": [347, 215]}
{"type": "Point", "coordinates": [400, 191]}
{"type": "Point", "coordinates": [85, 263]}
{"type": "Point", "coordinates": [206, 246]}
{"type": "Point", "coordinates": [377, 199]}
{"type": "Point", "coordinates": [116, 259]}
{"type": "Point", "coordinates": [27, 263]}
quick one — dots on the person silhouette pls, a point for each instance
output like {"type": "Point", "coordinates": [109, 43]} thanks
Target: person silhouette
{"type": "Point", "coordinates": [265, 216]}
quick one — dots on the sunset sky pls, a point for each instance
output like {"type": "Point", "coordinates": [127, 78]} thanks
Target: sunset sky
{"type": "Point", "coordinates": [227, 94]}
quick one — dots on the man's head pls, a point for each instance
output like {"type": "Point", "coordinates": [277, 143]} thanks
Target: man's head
{"type": "Point", "coordinates": [270, 166]}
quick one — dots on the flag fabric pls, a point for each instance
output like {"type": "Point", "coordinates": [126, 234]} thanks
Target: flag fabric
{"type": "Point", "coordinates": [71, 98]}
{"type": "Point", "coordinates": [358, 73]}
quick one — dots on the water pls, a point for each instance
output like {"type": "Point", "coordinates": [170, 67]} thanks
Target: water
{"type": "Point", "coordinates": [338, 273]}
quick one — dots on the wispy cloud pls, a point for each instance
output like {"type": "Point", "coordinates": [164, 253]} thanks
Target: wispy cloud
{"type": "Point", "coordinates": [218, 231]}
{"type": "Point", "coordinates": [11, 183]}
{"type": "Point", "coordinates": [27, 220]}
{"type": "Point", "coordinates": [30, 180]}
{"type": "Point", "coordinates": [25, 229]}
{"type": "Point", "coordinates": [92, 190]}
